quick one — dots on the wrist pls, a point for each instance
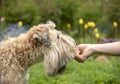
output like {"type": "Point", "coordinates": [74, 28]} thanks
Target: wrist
{"type": "Point", "coordinates": [93, 48]}
{"type": "Point", "coordinates": [97, 48]}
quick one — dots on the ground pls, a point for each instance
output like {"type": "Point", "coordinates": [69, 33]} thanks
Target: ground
{"type": "Point", "coordinates": [90, 72]}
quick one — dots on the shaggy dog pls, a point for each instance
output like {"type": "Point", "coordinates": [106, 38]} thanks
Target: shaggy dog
{"type": "Point", "coordinates": [40, 43]}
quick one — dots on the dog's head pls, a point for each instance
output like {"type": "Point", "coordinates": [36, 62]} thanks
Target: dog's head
{"type": "Point", "coordinates": [57, 47]}
{"type": "Point", "coordinates": [40, 33]}
{"type": "Point", "coordinates": [61, 51]}
{"type": "Point", "coordinates": [42, 37]}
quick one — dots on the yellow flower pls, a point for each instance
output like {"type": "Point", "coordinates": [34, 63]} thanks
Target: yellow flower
{"type": "Point", "coordinates": [81, 21]}
{"type": "Point", "coordinates": [115, 24]}
{"type": "Point", "coordinates": [20, 23]}
{"type": "Point", "coordinates": [97, 35]}
{"type": "Point", "coordinates": [91, 24]}
{"type": "Point", "coordinates": [86, 26]}
{"type": "Point", "coordinates": [69, 25]}
{"type": "Point", "coordinates": [96, 30]}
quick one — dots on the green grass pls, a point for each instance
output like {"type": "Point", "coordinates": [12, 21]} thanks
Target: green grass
{"type": "Point", "coordinates": [89, 72]}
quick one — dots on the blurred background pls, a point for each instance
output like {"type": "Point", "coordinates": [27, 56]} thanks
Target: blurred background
{"type": "Point", "coordinates": [87, 21]}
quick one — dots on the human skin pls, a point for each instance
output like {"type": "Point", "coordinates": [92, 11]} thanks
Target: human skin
{"type": "Point", "coordinates": [83, 51]}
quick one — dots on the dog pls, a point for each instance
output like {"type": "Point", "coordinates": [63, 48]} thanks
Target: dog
{"type": "Point", "coordinates": [41, 43]}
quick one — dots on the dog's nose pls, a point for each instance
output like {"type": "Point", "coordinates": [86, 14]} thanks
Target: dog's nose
{"type": "Point", "coordinates": [46, 41]}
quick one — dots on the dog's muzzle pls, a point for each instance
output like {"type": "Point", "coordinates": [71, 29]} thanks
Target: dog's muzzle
{"type": "Point", "coordinates": [44, 40]}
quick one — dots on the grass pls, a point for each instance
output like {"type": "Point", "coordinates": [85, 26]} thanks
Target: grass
{"type": "Point", "coordinates": [89, 72]}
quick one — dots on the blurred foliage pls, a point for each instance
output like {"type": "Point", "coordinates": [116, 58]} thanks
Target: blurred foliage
{"type": "Point", "coordinates": [89, 10]}
{"type": "Point", "coordinates": [0, 2]}
{"type": "Point", "coordinates": [48, 10]}
{"type": "Point", "coordinates": [63, 13]}
{"type": "Point", "coordinates": [59, 11]}
{"type": "Point", "coordinates": [90, 72]}
{"type": "Point", "coordinates": [20, 10]}
{"type": "Point", "coordinates": [111, 9]}
{"type": "Point", "coordinates": [67, 8]}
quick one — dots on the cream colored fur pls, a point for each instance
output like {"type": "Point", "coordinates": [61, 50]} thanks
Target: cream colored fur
{"type": "Point", "coordinates": [40, 43]}
{"type": "Point", "coordinates": [61, 51]}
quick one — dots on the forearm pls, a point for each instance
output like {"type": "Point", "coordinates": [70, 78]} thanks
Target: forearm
{"type": "Point", "coordinates": [108, 48]}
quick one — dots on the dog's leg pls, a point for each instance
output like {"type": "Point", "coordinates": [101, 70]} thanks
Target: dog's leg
{"type": "Point", "coordinates": [26, 78]}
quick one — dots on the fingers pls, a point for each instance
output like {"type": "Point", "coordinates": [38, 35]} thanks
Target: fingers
{"type": "Point", "coordinates": [78, 53]}
{"type": "Point", "coordinates": [82, 52]}
{"type": "Point", "coordinates": [80, 58]}
{"type": "Point", "coordinates": [79, 50]}
{"type": "Point", "coordinates": [81, 47]}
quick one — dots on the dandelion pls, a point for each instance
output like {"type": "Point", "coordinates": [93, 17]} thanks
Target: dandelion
{"type": "Point", "coordinates": [68, 25]}
{"type": "Point", "coordinates": [20, 23]}
{"type": "Point", "coordinates": [97, 35]}
{"type": "Point", "coordinates": [86, 26]}
{"type": "Point", "coordinates": [115, 24]}
{"type": "Point", "coordinates": [81, 21]}
{"type": "Point", "coordinates": [91, 24]}
{"type": "Point", "coordinates": [96, 30]}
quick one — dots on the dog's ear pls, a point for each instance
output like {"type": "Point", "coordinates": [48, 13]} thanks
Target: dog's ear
{"type": "Point", "coordinates": [51, 24]}
{"type": "Point", "coordinates": [37, 37]}
{"type": "Point", "coordinates": [44, 40]}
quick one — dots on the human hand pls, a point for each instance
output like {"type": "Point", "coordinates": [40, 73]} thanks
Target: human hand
{"type": "Point", "coordinates": [83, 51]}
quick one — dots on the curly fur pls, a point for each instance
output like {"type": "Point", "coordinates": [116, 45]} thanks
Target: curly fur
{"type": "Point", "coordinates": [61, 51]}
{"type": "Point", "coordinates": [40, 43]}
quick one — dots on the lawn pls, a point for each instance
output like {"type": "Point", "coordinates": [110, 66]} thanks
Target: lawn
{"type": "Point", "coordinates": [89, 72]}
